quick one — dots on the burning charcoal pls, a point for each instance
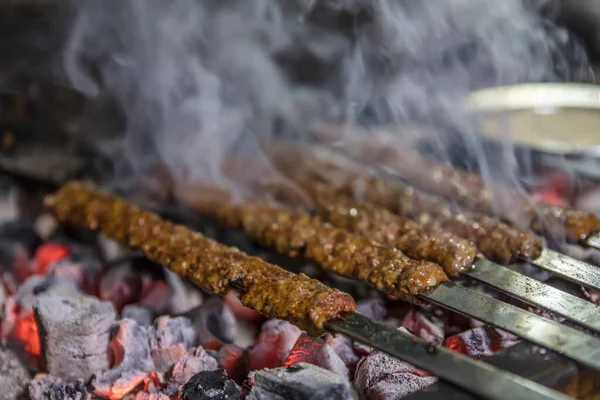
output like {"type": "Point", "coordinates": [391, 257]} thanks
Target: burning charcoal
{"type": "Point", "coordinates": [67, 270]}
{"type": "Point", "coordinates": [132, 361]}
{"type": "Point", "coordinates": [142, 315]}
{"type": "Point", "coordinates": [213, 320]}
{"type": "Point", "coordinates": [47, 387]}
{"type": "Point", "coordinates": [153, 396]}
{"type": "Point", "coordinates": [342, 345]}
{"type": "Point", "coordinates": [14, 376]}
{"type": "Point", "coordinates": [276, 340]}
{"type": "Point", "coordinates": [156, 294]}
{"type": "Point", "coordinates": [316, 352]}
{"type": "Point", "coordinates": [120, 285]}
{"type": "Point", "coordinates": [424, 328]}
{"type": "Point", "coordinates": [301, 381]}
{"type": "Point", "coordinates": [19, 325]}
{"type": "Point", "coordinates": [372, 308]}
{"type": "Point", "coordinates": [480, 342]}
{"type": "Point", "coordinates": [195, 361]}
{"type": "Point", "coordinates": [234, 360]}
{"type": "Point", "coordinates": [169, 339]}
{"type": "Point", "coordinates": [381, 376]}
{"type": "Point", "coordinates": [75, 333]}
{"type": "Point", "coordinates": [49, 253]}
{"type": "Point", "coordinates": [210, 385]}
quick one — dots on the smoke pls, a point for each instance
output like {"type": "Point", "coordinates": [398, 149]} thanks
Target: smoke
{"type": "Point", "coordinates": [197, 81]}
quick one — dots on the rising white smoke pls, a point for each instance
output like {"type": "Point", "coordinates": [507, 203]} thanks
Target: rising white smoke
{"type": "Point", "coordinates": [197, 80]}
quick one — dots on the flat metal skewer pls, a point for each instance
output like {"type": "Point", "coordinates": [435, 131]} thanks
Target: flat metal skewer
{"type": "Point", "coordinates": [569, 268]}
{"type": "Point", "coordinates": [472, 375]}
{"type": "Point", "coordinates": [594, 241]}
{"type": "Point", "coordinates": [575, 344]}
{"type": "Point", "coordinates": [536, 293]}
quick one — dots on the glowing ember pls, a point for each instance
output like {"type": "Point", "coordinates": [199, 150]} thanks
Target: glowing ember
{"type": "Point", "coordinates": [480, 342]}
{"type": "Point", "coordinates": [423, 327]}
{"type": "Point", "coordinates": [49, 253]}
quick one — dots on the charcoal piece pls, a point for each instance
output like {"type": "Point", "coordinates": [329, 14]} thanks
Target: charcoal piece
{"type": "Point", "coordinates": [234, 360]}
{"type": "Point", "coordinates": [14, 376]}
{"type": "Point", "coordinates": [301, 381]}
{"type": "Point", "coordinates": [372, 308]}
{"type": "Point", "coordinates": [21, 231]}
{"type": "Point", "coordinates": [43, 285]}
{"type": "Point", "coordinates": [170, 338]}
{"type": "Point", "coordinates": [342, 345]}
{"type": "Point", "coordinates": [185, 296]}
{"type": "Point", "coordinates": [151, 396]}
{"type": "Point", "coordinates": [213, 319]}
{"type": "Point", "coordinates": [276, 340]}
{"type": "Point", "coordinates": [142, 315]}
{"type": "Point", "coordinates": [381, 376]}
{"type": "Point", "coordinates": [47, 387]}
{"type": "Point", "coordinates": [74, 334]}
{"type": "Point", "coordinates": [210, 385]}
{"type": "Point", "coordinates": [316, 352]}
{"type": "Point", "coordinates": [132, 361]}
{"type": "Point", "coordinates": [120, 285]}
{"type": "Point", "coordinates": [195, 361]}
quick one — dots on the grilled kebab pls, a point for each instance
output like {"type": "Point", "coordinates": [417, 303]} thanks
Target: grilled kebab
{"type": "Point", "coordinates": [213, 266]}
{"type": "Point", "coordinates": [467, 188]}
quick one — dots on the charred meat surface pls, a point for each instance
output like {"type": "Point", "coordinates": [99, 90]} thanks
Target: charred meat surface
{"type": "Point", "coordinates": [209, 264]}
{"type": "Point", "coordinates": [337, 250]}
{"type": "Point", "coordinates": [453, 253]}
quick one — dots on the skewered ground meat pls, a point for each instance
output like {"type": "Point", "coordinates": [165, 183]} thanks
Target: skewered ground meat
{"type": "Point", "coordinates": [494, 239]}
{"type": "Point", "coordinates": [467, 188]}
{"type": "Point", "coordinates": [211, 265]}
{"type": "Point", "coordinates": [377, 223]}
{"type": "Point", "coordinates": [356, 257]}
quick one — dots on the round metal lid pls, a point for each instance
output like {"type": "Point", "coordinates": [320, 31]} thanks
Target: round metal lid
{"type": "Point", "coordinates": [551, 118]}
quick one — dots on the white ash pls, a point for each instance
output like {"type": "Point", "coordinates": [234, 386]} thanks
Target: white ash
{"type": "Point", "coordinates": [301, 381]}
{"type": "Point", "coordinates": [144, 316]}
{"type": "Point", "coordinates": [169, 339]}
{"type": "Point", "coordinates": [45, 225]}
{"type": "Point", "coordinates": [74, 334]}
{"type": "Point", "coordinates": [47, 387]}
{"type": "Point", "coordinates": [342, 345]}
{"type": "Point", "coordinates": [195, 361]}
{"type": "Point", "coordinates": [213, 319]}
{"type": "Point", "coordinates": [316, 352]}
{"type": "Point", "coordinates": [276, 340]}
{"type": "Point", "coordinates": [132, 360]}
{"type": "Point", "coordinates": [38, 285]}
{"type": "Point", "coordinates": [14, 376]}
{"type": "Point", "coordinates": [372, 308]}
{"type": "Point", "coordinates": [151, 396]}
{"type": "Point", "coordinates": [380, 373]}
{"type": "Point", "coordinates": [111, 249]}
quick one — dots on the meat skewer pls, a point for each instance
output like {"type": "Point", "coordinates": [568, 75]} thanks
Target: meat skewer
{"type": "Point", "coordinates": [469, 189]}
{"type": "Point", "coordinates": [453, 253]}
{"type": "Point", "coordinates": [494, 239]}
{"type": "Point", "coordinates": [387, 269]}
{"type": "Point", "coordinates": [337, 250]}
{"type": "Point", "coordinates": [270, 289]}
{"type": "Point", "coordinates": [213, 266]}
